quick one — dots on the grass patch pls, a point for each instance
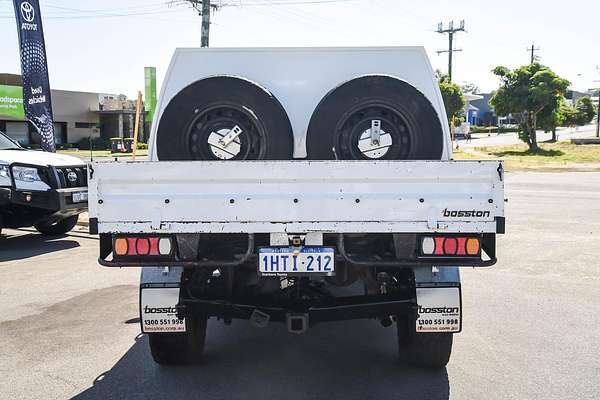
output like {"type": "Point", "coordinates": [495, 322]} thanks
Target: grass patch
{"type": "Point", "coordinates": [99, 153]}
{"type": "Point", "coordinates": [550, 156]}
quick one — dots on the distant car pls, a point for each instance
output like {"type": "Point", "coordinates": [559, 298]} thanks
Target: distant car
{"type": "Point", "coordinates": [40, 189]}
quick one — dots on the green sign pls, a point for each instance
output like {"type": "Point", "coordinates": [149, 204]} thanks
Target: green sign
{"type": "Point", "coordinates": [11, 102]}
{"type": "Point", "coordinates": [150, 92]}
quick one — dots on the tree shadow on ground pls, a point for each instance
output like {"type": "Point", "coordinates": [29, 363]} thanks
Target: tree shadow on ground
{"type": "Point", "coordinates": [346, 360]}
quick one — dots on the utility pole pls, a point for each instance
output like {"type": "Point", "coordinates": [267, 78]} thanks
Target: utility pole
{"type": "Point", "coordinates": [451, 30]}
{"type": "Point", "coordinates": [205, 32]}
{"type": "Point", "coordinates": [533, 49]}
{"type": "Point", "coordinates": [203, 7]}
{"type": "Point", "coordinates": [598, 116]}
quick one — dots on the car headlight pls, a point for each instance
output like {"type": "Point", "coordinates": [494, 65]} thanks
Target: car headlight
{"type": "Point", "coordinates": [5, 175]}
{"type": "Point", "coordinates": [28, 178]}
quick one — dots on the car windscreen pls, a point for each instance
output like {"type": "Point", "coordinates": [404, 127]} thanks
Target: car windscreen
{"type": "Point", "coordinates": [6, 143]}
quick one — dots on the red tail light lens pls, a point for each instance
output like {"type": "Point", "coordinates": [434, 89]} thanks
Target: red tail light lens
{"type": "Point", "coordinates": [142, 246]}
{"type": "Point", "coordinates": [450, 246]}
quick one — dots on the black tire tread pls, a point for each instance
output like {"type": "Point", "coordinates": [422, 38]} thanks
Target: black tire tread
{"type": "Point", "coordinates": [58, 228]}
{"type": "Point", "coordinates": [424, 350]}
{"type": "Point", "coordinates": [179, 348]}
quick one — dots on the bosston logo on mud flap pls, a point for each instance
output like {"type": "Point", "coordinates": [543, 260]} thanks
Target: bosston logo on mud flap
{"type": "Point", "coordinates": [466, 213]}
{"type": "Point", "coordinates": [442, 310]}
{"type": "Point", "coordinates": [160, 310]}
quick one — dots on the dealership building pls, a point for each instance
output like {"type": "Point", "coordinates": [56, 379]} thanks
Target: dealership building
{"type": "Point", "coordinates": [77, 115]}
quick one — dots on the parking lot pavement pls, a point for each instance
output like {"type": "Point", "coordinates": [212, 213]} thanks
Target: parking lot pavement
{"type": "Point", "coordinates": [69, 329]}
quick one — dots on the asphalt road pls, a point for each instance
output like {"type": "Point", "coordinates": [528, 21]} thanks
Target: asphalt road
{"type": "Point", "coordinates": [68, 328]}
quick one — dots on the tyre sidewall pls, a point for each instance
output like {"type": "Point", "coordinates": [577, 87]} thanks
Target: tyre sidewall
{"type": "Point", "coordinates": [172, 136]}
{"type": "Point", "coordinates": [414, 107]}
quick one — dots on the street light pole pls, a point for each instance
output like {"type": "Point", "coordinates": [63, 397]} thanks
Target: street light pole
{"type": "Point", "coordinates": [598, 117]}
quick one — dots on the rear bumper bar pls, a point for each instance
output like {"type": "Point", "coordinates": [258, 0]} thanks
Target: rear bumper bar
{"type": "Point", "coordinates": [344, 310]}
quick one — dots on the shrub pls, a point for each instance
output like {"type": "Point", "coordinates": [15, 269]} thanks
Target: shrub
{"type": "Point", "coordinates": [491, 129]}
{"type": "Point", "coordinates": [142, 146]}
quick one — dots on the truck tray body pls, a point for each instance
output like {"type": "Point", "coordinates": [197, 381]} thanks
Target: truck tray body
{"type": "Point", "coordinates": [297, 196]}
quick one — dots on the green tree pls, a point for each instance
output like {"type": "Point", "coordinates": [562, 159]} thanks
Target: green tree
{"type": "Point", "coordinates": [525, 93]}
{"type": "Point", "coordinates": [454, 99]}
{"type": "Point", "coordinates": [553, 116]}
{"type": "Point", "coordinates": [570, 116]}
{"type": "Point", "coordinates": [470, 88]}
{"type": "Point", "coordinates": [585, 111]}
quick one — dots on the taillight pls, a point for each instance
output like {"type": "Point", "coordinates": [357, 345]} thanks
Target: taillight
{"type": "Point", "coordinates": [450, 246]}
{"type": "Point", "coordinates": [142, 246]}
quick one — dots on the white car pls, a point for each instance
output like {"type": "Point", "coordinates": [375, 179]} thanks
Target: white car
{"type": "Point", "coordinates": [40, 189]}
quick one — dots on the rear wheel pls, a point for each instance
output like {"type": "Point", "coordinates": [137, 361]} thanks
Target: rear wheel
{"type": "Point", "coordinates": [179, 348]}
{"type": "Point", "coordinates": [426, 350]}
{"type": "Point", "coordinates": [59, 227]}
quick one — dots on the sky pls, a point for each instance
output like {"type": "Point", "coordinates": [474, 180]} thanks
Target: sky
{"type": "Point", "coordinates": [103, 46]}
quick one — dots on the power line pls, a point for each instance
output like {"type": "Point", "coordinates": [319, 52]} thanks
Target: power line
{"type": "Point", "coordinates": [533, 49]}
{"type": "Point", "coordinates": [451, 30]}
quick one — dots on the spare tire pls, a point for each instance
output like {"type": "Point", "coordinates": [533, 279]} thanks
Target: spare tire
{"type": "Point", "coordinates": [375, 117]}
{"type": "Point", "coordinates": [224, 118]}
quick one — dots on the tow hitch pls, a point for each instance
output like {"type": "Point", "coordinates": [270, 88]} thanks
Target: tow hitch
{"type": "Point", "coordinates": [297, 323]}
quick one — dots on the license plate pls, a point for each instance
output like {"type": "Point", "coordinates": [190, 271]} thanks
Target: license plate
{"type": "Point", "coordinates": [79, 197]}
{"type": "Point", "coordinates": [284, 261]}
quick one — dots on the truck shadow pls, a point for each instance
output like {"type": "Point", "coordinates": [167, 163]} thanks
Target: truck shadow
{"type": "Point", "coordinates": [19, 247]}
{"type": "Point", "coordinates": [347, 360]}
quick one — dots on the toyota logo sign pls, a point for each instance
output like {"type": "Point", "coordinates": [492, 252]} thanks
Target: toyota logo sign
{"type": "Point", "coordinates": [72, 177]}
{"type": "Point", "coordinates": [27, 11]}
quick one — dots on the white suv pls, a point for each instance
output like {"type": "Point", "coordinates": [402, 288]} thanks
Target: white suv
{"type": "Point", "coordinates": [40, 189]}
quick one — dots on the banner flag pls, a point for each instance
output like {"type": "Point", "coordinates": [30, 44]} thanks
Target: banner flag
{"type": "Point", "coordinates": [150, 92]}
{"type": "Point", "coordinates": [34, 69]}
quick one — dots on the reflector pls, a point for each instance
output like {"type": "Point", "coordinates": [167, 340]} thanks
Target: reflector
{"type": "Point", "coordinates": [153, 246]}
{"type": "Point", "coordinates": [461, 246]}
{"type": "Point", "coordinates": [142, 247]}
{"type": "Point", "coordinates": [131, 242]}
{"type": "Point", "coordinates": [450, 246]}
{"type": "Point", "coordinates": [439, 246]}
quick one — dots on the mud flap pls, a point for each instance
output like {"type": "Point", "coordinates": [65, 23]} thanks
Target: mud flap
{"type": "Point", "coordinates": [159, 296]}
{"type": "Point", "coordinates": [439, 302]}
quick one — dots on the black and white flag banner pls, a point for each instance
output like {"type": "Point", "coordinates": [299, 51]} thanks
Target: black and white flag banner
{"type": "Point", "coordinates": [34, 69]}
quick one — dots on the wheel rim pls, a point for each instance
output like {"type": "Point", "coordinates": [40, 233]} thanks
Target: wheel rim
{"type": "Point", "coordinates": [355, 139]}
{"type": "Point", "coordinates": [225, 132]}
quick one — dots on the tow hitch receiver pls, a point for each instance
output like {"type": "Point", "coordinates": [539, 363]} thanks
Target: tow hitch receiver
{"type": "Point", "coordinates": [297, 323]}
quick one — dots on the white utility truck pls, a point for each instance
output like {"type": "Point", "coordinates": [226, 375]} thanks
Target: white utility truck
{"type": "Point", "coordinates": [299, 185]}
